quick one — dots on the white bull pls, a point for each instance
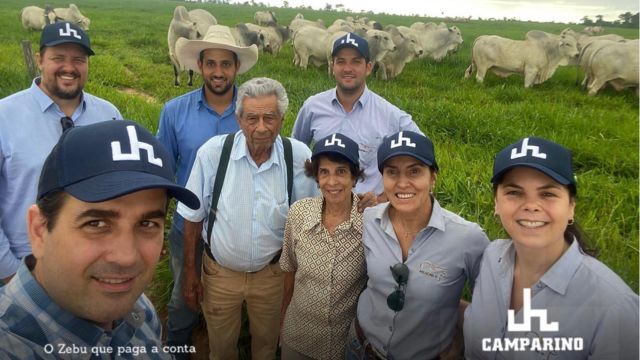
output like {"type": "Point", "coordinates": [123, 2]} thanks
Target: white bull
{"type": "Point", "coordinates": [615, 64]}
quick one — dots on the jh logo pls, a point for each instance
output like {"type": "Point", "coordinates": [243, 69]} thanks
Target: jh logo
{"type": "Point", "coordinates": [118, 155]}
{"type": "Point", "coordinates": [527, 315]}
{"type": "Point", "coordinates": [535, 151]}
{"type": "Point", "coordinates": [349, 40]}
{"type": "Point", "coordinates": [334, 141]}
{"type": "Point", "coordinates": [402, 141]}
{"type": "Point", "coordinates": [70, 32]}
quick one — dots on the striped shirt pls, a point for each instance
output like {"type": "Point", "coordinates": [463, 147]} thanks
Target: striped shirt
{"type": "Point", "coordinates": [253, 203]}
{"type": "Point", "coordinates": [32, 326]}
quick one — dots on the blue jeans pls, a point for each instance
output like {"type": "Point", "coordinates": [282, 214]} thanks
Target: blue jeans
{"type": "Point", "coordinates": [181, 319]}
{"type": "Point", "coordinates": [354, 349]}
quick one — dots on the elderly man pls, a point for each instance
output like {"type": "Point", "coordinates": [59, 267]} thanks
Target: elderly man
{"type": "Point", "coordinates": [96, 232]}
{"type": "Point", "coordinates": [353, 110]}
{"type": "Point", "coordinates": [186, 123]}
{"type": "Point", "coordinates": [243, 247]}
{"type": "Point", "coordinates": [31, 122]}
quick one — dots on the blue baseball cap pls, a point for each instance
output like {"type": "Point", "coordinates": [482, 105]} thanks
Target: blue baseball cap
{"type": "Point", "coordinates": [109, 159]}
{"type": "Point", "coordinates": [546, 156]}
{"type": "Point", "coordinates": [353, 41]}
{"type": "Point", "coordinates": [407, 143]}
{"type": "Point", "coordinates": [65, 32]}
{"type": "Point", "coordinates": [337, 144]}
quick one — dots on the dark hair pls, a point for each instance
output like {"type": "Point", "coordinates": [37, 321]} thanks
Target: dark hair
{"type": "Point", "coordinates": [235, 56]}
{"type": "Point", "coordinates": [573, 230]}
{"type": "Point", "coordinates": [311, 167]}
{"type": "Point", "coordinates": [50, 206]}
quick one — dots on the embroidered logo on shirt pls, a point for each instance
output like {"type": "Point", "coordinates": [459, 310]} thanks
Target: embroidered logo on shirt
{"type": "Point", "coordinates": [433, 270]}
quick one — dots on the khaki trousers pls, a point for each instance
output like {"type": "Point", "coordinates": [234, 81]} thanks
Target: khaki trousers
{"type": "Point", "coordinates": [224, 292]}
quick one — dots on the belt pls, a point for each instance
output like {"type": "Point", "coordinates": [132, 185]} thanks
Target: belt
{"type": "Point", "coordinates": [369, 350]}
{"type": "Point", "coordinates": [275, 259]}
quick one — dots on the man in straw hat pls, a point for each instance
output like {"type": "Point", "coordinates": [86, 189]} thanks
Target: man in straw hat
{"type": "Point", "coordinates": [186, 123]}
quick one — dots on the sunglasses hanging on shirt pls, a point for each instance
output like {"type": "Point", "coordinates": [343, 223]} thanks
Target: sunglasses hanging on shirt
{"type": "Point", "coordinates": [66, 123]}
{"type": "Point", "coordinates": [400, 273]}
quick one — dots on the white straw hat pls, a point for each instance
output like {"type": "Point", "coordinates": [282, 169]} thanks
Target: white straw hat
{"type": "Point", "coordinates": [217, 37]}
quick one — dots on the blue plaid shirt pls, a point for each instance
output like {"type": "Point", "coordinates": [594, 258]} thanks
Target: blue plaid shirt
{"type": "Point", "coordinates": [32, 326]}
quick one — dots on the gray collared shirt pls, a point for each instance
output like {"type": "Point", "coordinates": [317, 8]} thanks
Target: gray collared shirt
{"type": "Point", "coordinates": [443, 256]}
{"type": "Point", "coordinates": [583, 296]}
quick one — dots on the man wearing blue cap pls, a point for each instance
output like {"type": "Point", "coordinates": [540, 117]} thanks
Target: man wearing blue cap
{"type": "Point", "coordinates": [96, 232]}
{"type": "Point", "coordinates": [353, 110]}
{"type": "Point", "coordinates": [31, 122]}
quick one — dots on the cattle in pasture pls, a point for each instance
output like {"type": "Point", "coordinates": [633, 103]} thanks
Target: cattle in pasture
{"type": "Point", "coordinates": [436, 40]}
{"type": "Point", "coordinates": [246, 37]}
{"type": "Point", "coordinates": [203, 20]}
{"type": "Point", "coordinates": [537, 59]}
{"type": "Point", "coordinates": [297, 24]}
{"type": "Point", "coordinates": [583, 38]}
{"type": "Point", "coordinates": [593, 30]}
{"type": "Point", "coordinates": [181, 26]}
{"type": "Point", "coordinates": [275, 36]}
{"type": "Point", "coordinates": [72, 14]}
{"type": "Point", "coordinates": [310, 46]}
{"type": "Point", "coordinates": [615, 64]}
{"type": "Point", "coordinates": [407, 48]}
{"type": "Point", "coordinates": [36, 18]}
{"type": "Point", "coordinates": [584, 59]}
{"type": "Point", "coordinates": [265, 18]}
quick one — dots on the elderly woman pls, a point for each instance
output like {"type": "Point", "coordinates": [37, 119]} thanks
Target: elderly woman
{"type": "Point", "coordinates": [583, 310]}
{"type": "Point", "coordinates": [322, 256]}
{"type": "Point", "coordinates": [418, 257]}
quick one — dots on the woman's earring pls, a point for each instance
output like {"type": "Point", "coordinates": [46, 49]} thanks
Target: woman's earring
{"type": "Point", "coordinates": [570, 222]}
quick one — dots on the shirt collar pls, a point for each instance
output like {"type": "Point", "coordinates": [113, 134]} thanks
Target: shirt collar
{"type": "Point", "coordinates": [202, 102]}
{"type": "Point", "coordinates": [44, 101]}
{"type": "Point", "coordinates": [362, 100]}
{"type": "Point", "coordinates": [314, 218]}
{"type": "Point", "coordinates": [561, 272]}
{"type": "Point", "coordinates": [86, 330]}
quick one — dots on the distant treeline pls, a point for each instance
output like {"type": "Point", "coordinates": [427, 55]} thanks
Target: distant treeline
{"type": "Point", "coordinates": [627, 20]}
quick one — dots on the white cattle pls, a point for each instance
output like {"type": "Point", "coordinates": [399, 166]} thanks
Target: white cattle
{"type": "Point", "coordinates": [537, 59]}
{"type": "Point", "coordinates": [341, 25]}
{"type": "Point", "coordinates": [181, 26]}
{"type": "Point", "coordinates": [420, 26]}
{"type": "Point", "coordinates": [297, 24]}
{"type": "Point", "coordinates": [584, 59]}
{"type": "Point", "coordinates": [35, 18]}
{"type": "Point", "coordinates": [437, 40]}
{"type": "Point", "coordinates": [615, 64]}
{"type": "Point", "coordinates": [310, 46]}
{"type": "Point", "coordinates": [583, 38]}
{"type": "Point", "coordinates": [407, 48]}
{"type": "Point", "coordinates": [275, 36]}
{"type": "Point", "coordinates": [593, 30]}
{"type": "Point", "coordinates": [265, 18]}
{"type": "Point", "coordinates": [299, 16]}
{"type": "Point", "coordinates": [246, 37]}
{"type": "Point", "coordinates": [203, 20]}
{"type": "Point", "coordinates": [72, 14]}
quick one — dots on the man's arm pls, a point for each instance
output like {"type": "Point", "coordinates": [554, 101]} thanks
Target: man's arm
{"type": "Point", "coordinates": [166, 135]}
{"type": "Point", "coordinates": [191, 284]}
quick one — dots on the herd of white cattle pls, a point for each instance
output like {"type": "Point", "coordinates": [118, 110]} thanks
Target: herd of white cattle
{"type": "Point", "coordinates": [604, 59]}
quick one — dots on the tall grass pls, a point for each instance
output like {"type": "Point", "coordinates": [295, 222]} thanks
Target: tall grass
{"type": "Point", "coordinates": [468, 122]}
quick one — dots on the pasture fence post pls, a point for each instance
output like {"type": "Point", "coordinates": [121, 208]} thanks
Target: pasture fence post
{"type": "Point", "coordinates": [28, 58]}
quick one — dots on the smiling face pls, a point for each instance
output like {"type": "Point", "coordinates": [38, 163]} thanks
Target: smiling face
{"type": "Point", "coordinates": [407, 183]}
{"type": "Point", "coordinates": [64, 69]}
{"type": "Point", "coordinates": [335, 180]}
{"type": "Point", "coordinates": [533, 208]}
{"type": "Point", "coordinates": [98, 257]}
{"type": "Point", "coordinates": [350, 69]}
{"type": "Point", "coordinates": [218, 68]}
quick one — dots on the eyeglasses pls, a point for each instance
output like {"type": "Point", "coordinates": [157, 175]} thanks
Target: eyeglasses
{"type": "Point", "coordinates": [66, 123]}
{"type": "Point", "coordinates": [400, 273]}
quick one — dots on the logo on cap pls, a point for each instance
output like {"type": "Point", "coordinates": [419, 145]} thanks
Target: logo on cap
{"type": "Point", "coordinates": [402, 141]}
{"type": "Point", "coordinates": [69, 32]}
{"type": "Point", "coordinates": [118, 155]}
{"type": "Point", "coordinates": [349, 40]}
{"type": "Point", "coordinates": [334, 142]}
{"type": "Point", "coordinates": [535, 151]}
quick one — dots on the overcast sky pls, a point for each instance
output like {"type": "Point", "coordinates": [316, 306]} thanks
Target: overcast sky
{"type": "Point", "coordinates": [537, 10]}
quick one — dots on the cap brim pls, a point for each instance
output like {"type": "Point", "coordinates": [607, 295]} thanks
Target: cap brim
{"type": "Point", "coordinates": [407, 153]}
{"type": "Point", "coordinates": [66, 41]}
{"type": "Point", "coordinates": [188, 53]}
{"type": "Point", "coordinates": [545, 170]}
{"type": "Point", "coordinates": [119, 183]}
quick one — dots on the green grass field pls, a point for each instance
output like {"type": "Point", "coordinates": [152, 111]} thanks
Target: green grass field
{"type": "Point", "coordinates": [468, 122]}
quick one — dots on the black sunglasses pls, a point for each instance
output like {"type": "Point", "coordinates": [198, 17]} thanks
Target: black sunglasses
{"type": "Point", "coordinates": [400, 273]}
{"type": "Point", "coordinates": [66, 123]}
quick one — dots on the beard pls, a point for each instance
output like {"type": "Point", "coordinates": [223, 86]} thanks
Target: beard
{"type": "Point", "coordinates": [218, 90]}
{"type": "Point", "coordinates": [56, 91]}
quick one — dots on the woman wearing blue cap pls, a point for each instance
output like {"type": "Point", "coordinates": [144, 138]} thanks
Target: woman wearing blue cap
{"type": "Point", "coordinates": [541, 294]}
{"type": "Point", "coordinates": [322, 256]}
{"type": "Point", "coordinates": [419, 257]}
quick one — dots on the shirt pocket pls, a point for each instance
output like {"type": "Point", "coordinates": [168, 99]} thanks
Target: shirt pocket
{"type": "Point", "coordinates": [278, 216]}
